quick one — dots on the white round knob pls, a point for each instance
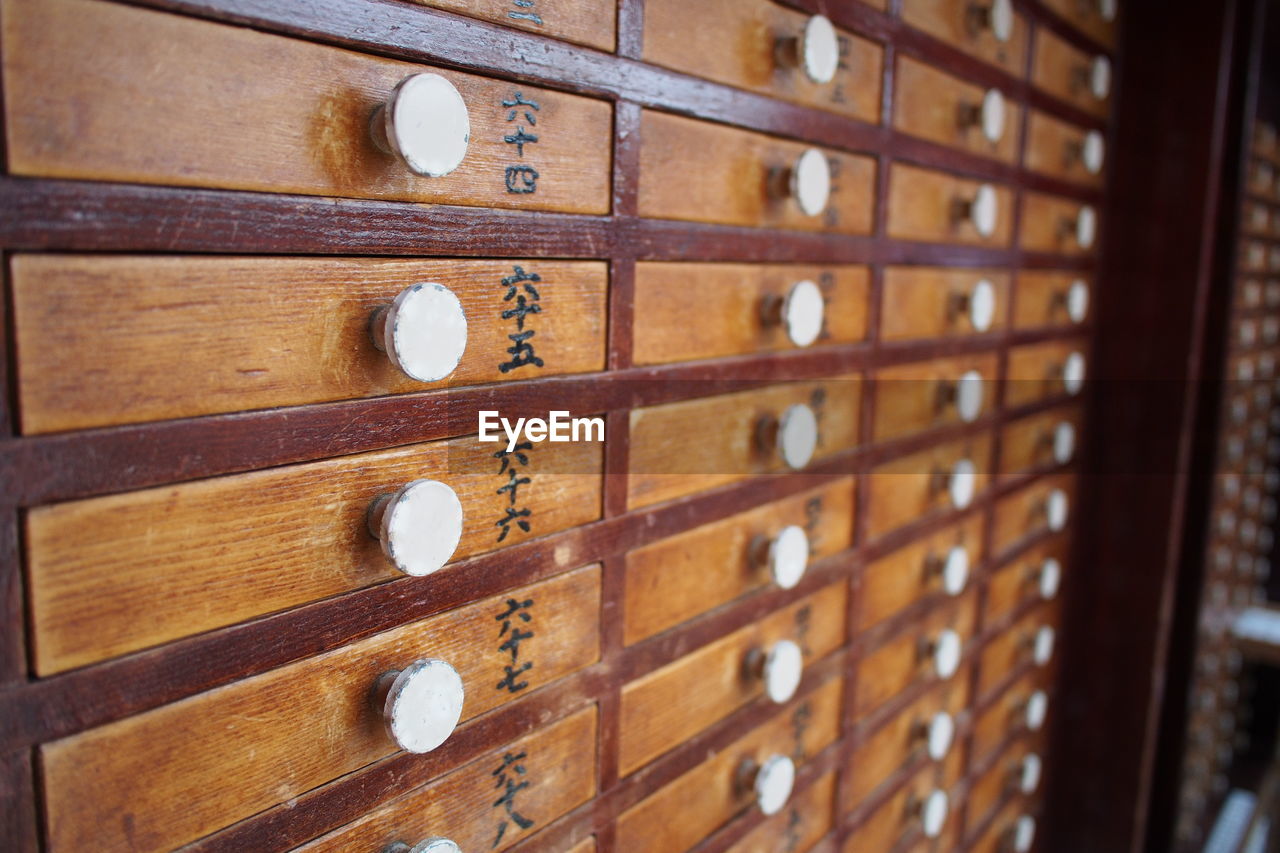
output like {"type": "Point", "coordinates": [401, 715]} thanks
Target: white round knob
{"type": "Point", "coordinates": [1077, 301]}
{"type": "Point", "coordinates": [773, 783]}
{"type": "Point", "coordinates": [420, 526]}
{"type": "Point", "coordinates": [1086, 226]}
{"type": "Point", "coordinates": [436, 845]}
{"type": "Point", "coordinates": [1036, 711]}
{"type": "Point", "coordinates": [969, 396]}
{"type": "Point", "coordinates": [423, 331]}
{"type": "Point", "coordinates": [946, 653]}
{"type": "Point", "coordinates": [423, 705]}
{"type": "Point", "coordinates": [1024, 834]}
{"type": "Point", "coordinates": [963, 482]}
{"type": "Point", "coordinates": [789, 556]}
{"type": "Point", "coordinates": [1029, 774]}
{"type": "Point", "coordinates": [955, 571]}
{"type": "Point", "coordinates": [802, 312]}
{"type": "Point", "coordinates": [811, 182]}
{"type": "Point", "coordinates": [1001, 18]}
{"type": "Point", "coordinates": [940, 734]}
{"type": "Point", "coordinates": [1108, 9]}
{"type": "Point", "coordinates": [425, 124]}
{"type": "Point", "coordinates": [1073, 373]}
{"type": "Point", "coordinates": [819, 50]}
{"type": "Point", "coordinates": [797, 436]}
{"type": "Point", "coordinates": [1050, 578]}
{"type": "Point", "coordinates": [982, 305]}
{"type": "Point", "coordinates": [1056, 509]}
{"type": "Point", "coordinates": [1093, 152]}
{"type": "Point", "coordinates": [783, 667]}
{"type": "Point", "coordinates": [1064, 442]}
{"type": "Point", "coordinates": [992, 115]}
{"type": "Point", "coordinates": [984, 210]}
{"type": "Point", "coordinates": [1042, 647]}
{"type": "Point", "coordinates": [1100, 77]}
{"type": "Point", "coordinates": [933, 813]}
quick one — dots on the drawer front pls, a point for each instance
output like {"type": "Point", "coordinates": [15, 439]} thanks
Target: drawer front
{"type": "Point", "coordinates": [535, 779]}
{"type": "Point", "coordinates": [933, 105]}
{"type": "Point", "coordinates": [676, 579]}
{"type": "Point", "coordinates": [1000, 833]}
{"type": "Point", "coordinates": [701, 172]}
{"type": "Point", "coordinates": [752, 44]}
{"type": "Point", "coordinates": [1016, 649]}
{"type": "Point", "coordinates": [1086, 16]}
{"type": "Point", "coordinates": [897, 821]}
{"type": "Point", "coordinates": [934, 207]}
{"type": "Point", "coordinates": [273, 736]}
{"type": "Point", "coordinates": [916, 573]}
{"type": "Point", "coordinates": [1022, 710]}
{"type": "Point", "coordinates": [178, 337]}
{"type": "Point", "coordinates": [937, 302]}
{"type": "Point", "coordinates": [1049, 438]}
{"type": "Point", "coordinates": [1062, 150]}
{"type": "Point", "coordinates": [1040, 371]}
{"type": "Point", "coordinates": [952, 21]}
{"type": "Point", "coordinates": [916, 486]}
{"type": "Point", "coordinates": [1032, 511]}
{"type": "Point", "coordinates": [184, 556]}
{"type": "Point", "coordinates": [1052, 298]}
{"type": "Point", "coordinates": [1058, 225]}
{"type": "Point", "coordinates": [662, 709]}
{"type": "Point", "coordinates": [589, 22]}
{"type": "Point", "coordinates": [915, 397]}
{"type": "Point", "coordinates": [194, 103]}
{"type": "Point", "coordinates": [1026, 579]}
{"type": "Point", "coordinates": [906, 659]}
{"type": "Point", "coordinates": [680, 448]}
{"type": "Point", "coordinates": [740, 309]}
{"type": "Point", "coordinates": [1001, 781]}
{"type": "Point", "coordinates": [804, 822]}
{"type": "Point", "coordinates": [685, 811]}
{"type": "Point", "coordinates": [1067, 72]}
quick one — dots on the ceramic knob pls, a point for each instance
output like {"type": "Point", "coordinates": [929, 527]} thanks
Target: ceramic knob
{"type": "Point", "coordinates": [962, 483]}
{"type": "Point", "coordinates": [419, 526]}
{"type": "Point", "coordinates": [783, 665]}
{"type": "Point", "coordinates": [1049, 578]}
{"type": "Point", "coordinates": [1056, 508]}
{"type": "Point", "coordinates": [988, 116]}
{"type": "Point", "coordinates": [1077, 301]}
{"type": "Point", "coordinates": [819, 50]}
{"type": "Point", "coordinates": [1024, 834]}
{"type": "Point", "coordinates": [983, 210]}
{"type": "Point", "coordinates": [797, 436]}
{"type": "Point", "coordinates": [953, 569]}
{"type": "Point", "coordinates": [771, 782]}
{"type": "Point", "coordinates": [1064, 442]}
{"type": "Point", "coordinates": [802, 312]}
{"type": "Point", "coordinates": [421, 704]}
{"type": "Point", "coordinates": [1073, 373]}
{"type": "Point", "coordinates": [968, 396]}
{"type": "Point", "coordinates": [424, 124]}
{"type": "Point", "coordinates": [423, 331]}
{"type": "Point", "coordinates": [1086, 226]}
{"type": "Point", "coordinates": [1035, 711]}
{"type": "Point", "coordinates": [996, 17]}
{"type": "Point", "coordinates": [1093, 152]}
{"type": "Point", "coordinates": [939, 735]}
{"type": "Point", "coordinates": [980, 305]}
{"type": "Point", "coordinates": [1042, 645]}
{"type": "Point", "coordinates": [1100, 77]}
{"type": "Point", "coordinates": [1029, 773]}
{"type": "Point", "coordinates": [944, 653]}
{"type": "Point", "coordinates": [811, 182]}
{"type": "Point", "coordinates": [789, 556]}
{"type": "Point", "coordinates": [933, 813]}
{"type": "Point", "coordinates": [1107, 9]}
{"type": "Point", "coordinates": [430, 845]}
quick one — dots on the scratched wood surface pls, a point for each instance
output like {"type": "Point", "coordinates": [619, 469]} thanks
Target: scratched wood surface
{"type": "Point", "coordinates": [1061, 69]}
{"type": "Point", "coordinates": [1017, 583]}
{"type": "Point", "coordinates": [910, 488]}
{"type": "Point", "coordinates": [906, 576]}
{"type": "Point", "coordinates": [198, 104]}
{"type": "Point", "coordinates": [923, 205]}
{"type": "Point", "coordinates": [160, 779]}
{"type": "Point", "coordinates": [1042, 298]}
{"type": "Point", "coordinates": [949, 20]}
{"type": "Point", "coordinates": [1049, 225]}
{"type": "Point", "coordinates": [592, 23]}
{"type": "Point", "coordinates": [665, 707]}
{"type": "Point", "coordinates": [913, 397]}
{"type": "Point", "coordinates": [251, 544]}
{"type": "Point", "coordinates": [668, 295]}
{"type": "Point", "coordinates": [934, 105]}
{"type": "Point", "coordinates": [171, 337]}
{"type": "Point", "coordinates": [1023, 513]}
{"type": "Point", "coordinates": [1027, 443]}
{"type": "Point", "coordinates": [1054, 148]}
{"type": "Point", "coordinates": [929, 302]}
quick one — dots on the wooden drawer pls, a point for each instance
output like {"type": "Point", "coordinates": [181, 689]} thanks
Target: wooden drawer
{"type": "Point", "coordinates": [1059, 225]}
{"type": "Point", "coordinates": [195, 103]}
{"type": "Point", "coordinates": [589, 22]}
{"type": "Point", "coordinates": [540, 777]}
{"type": "Point", "coordinates": [1048, 438]}
{"type": "Point", "coordinates": [751, 44]}
{"type": "Point", "coordinates": [921, 484]}
{"type": "Point", "coordinates": [1016, 819]}
{"type": "Point", "coordinates": [953, 21]}
{"type": "Point", "coordinates": [205, 554]}
{"type": "Point", "coordinates": [905, 740]}
{"type": "Point", "coordinates": [907, 659]}
{"type": "Point", "coordinates": [933, 105]}
{"type": "Point", "coordinates": [702, 172]}
{"type": "Point", "coordinates": [1043, 506]}
{"type": "Point", "coordinates": [933, 207]}
{"type": "Point", "coordinates": [898, 818]}
{"type": "Point", "coordinates": [747, 313]}
{"type": "Point", "coordinates": [680, 448]}
{"type": "Point", "coordinates": [1022, 710]}
{"type": "Point", "coordinates": [1040, 371]}
{"type": "Point", "coordinates": [173, 337]}
{"type": "Point", "coordinates": [936, 302]}
{"type": "Point", "coordinates": [1062, 150]}
{"type": "Point", "coordinates": [1088, 17]}
{"type": "Point", "coordinates": [915, 397]}
{"type": "Point", "coordinates": [1031, 641]}
{"type": "Point", "coordinates": [1026, 579]}
{"type": "Point", "coordinates": [1013, 774]}
{"type": "Point", "coordinates": [807, 818]}
{"type": "Point", "coordinates": [662, 709]}
{"type": "Point", "coordinates": [917, 572]}
{"type": "Point", "coordinates": [676, 579]}
{"type": "Point", "coordinates": [1068, 73]}
{"type": "Point", "coordinates": [685, 811]}
{"type": "Point", "coordinates": [233, 751]}
{"type": "Point", "coordinates": [1051, 298]}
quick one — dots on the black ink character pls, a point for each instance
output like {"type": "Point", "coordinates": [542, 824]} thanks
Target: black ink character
{"type": "Point", "coordinates": [507, 776]}
{"type": "Point", "coordinates": [522, 180]}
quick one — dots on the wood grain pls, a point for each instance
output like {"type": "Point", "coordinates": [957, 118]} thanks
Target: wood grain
{"type": "Point", "coordinates": [1022, 513]}
{"type": "Point", "coordinates": [1027, 443]}
{"type": "Point", "coordinates": [923, 206]}
{"type": "Point", "coordinates": [589, 22]}
{"type": "Point", "coordinates": [733, 42]}
{"type": "Point", "coordinates": [997, 835]}
{"type": "Point", "coordinates": [895, 821]}
{"type": "Point", "coordinates": [727, 299]}
{"type": "Point", "coordinates": [931, 104]}
{"type": "Point", "coordinates": [1062, 70]}
{"type": "Point", "coordinates": [806, 819]}
{"type": "Point", "coordinates": [949, 21]}
{"type": "Point", "coordinates": [665, 707]}
{"type": "Point", "coordinates": [907, 489]}
{"type": "Point", "coordinates": [1049, 225]}
{"type": "Point", "coordinates": [160, 779]}
{"type": "Point", "coordinates": [197, 556]}
{"type": "Point", "coordinates": [900, 580]}
{"type": "Point", "coordinates": [1016, 584]}
{"type": "Point", "coordinates": [685, 447]}
{"type": "Point", "coordinates": [675, 579]}
{"type": "Point", "coordinates": [701, 172]}
{"type": "Point", "coordinates": [997, 784]}
{"type": "Point", "coordinates": [1054, 149]}
{"type": "Point", "coordinates": [922, 302]}
{"type": "Point", "coordinates": [1035, 371]}
{"type": "Point", "coordinates": [198, 104]}
{"type": "Point", "coordinates": [1004, 716]}
{"type": "Point", "coordinates": [1042, 298]}
{"type": "Point", "coordinates": [172, 337]}
{"type": "Point", "coordinates": [910, 397]}
{"type": "Point", "coordinates": [1011, 649]}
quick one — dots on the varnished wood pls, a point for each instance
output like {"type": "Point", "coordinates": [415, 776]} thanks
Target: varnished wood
{"type": "Point", "coordinates": [1022, 514]}
{"type": "Point", "coordinates": [924, 302]}
{"type": "Point", "coordinates": [997, 834]}
{"type": "Point", "coordinates": [1035, 371]}
{"type": "Point", "coordinates": [895, 824]}
{"type": "Point", "coordinates": [913, 397]}
{"type": "Point", "coordinates": [1042, 298]}
{"type": "Point", "coordinates": [1015, 584]}
{"type": "Point", "coordinates": [1054, 148]}
{"type": "Point", "coordinates": [1027, 443]}
{"type": "Point", "coordinates": [1049, 225]}
{"type": "Point", "coordinates": [934, 105]}
{"type": "Point", "coordinates": [589, 22]}
{"type": "Point", "coordinates": [949, 21]}
{"type": "Point", "coordinates": [1011, 650]}
{"type": "Point", "coordinates": [998, 783]}
{"type": "Point", "coordinates": [912, 574]}
{"type": "Point", "coordinates": [908, 488]}
{"type": "Point", "coordinates": [807, 818]}
{"type": "Point", "coordinates": [1005, 715]}
{"type": "Point", "coordinates": [1062, 70]}
{"type": "Point", "coordinates": [1085, 17]}
{"type": "Point", "coordinates": [925, 205]}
